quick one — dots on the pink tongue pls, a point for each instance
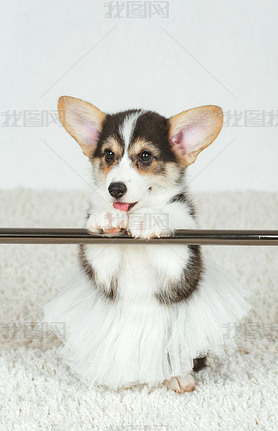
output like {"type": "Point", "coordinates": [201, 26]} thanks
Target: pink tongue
{"type": "Point", "coordinates": [121, 206]}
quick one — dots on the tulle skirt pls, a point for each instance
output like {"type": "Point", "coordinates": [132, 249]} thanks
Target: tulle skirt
{"type": "Point", "coordinates": [118, 345]}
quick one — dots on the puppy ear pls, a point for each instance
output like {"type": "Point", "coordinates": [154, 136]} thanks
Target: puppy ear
{"type": "Point", "coordinates": [193, 130]}
{"type": "Point", "coordinates": [82, 121]}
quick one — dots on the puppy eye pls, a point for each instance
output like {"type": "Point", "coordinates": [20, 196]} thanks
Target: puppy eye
{"type": "Point", "coordinates": [109, 155]}
{"type": "Point", "coordinates": [146, 157]}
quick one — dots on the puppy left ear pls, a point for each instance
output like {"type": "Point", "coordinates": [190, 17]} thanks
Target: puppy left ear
{"type": "Point", "coordinates": [193, 130]}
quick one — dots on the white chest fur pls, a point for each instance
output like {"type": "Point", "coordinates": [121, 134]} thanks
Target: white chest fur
{"type": "Point", "coordinates": [140, 270]}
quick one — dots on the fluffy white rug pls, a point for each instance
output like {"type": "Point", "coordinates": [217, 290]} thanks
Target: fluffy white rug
{"type": "Point", "coordinates": [38, 392]}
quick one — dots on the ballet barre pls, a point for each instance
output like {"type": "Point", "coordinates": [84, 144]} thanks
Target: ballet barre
{"type": "Point", "coordinates": [182, 236]}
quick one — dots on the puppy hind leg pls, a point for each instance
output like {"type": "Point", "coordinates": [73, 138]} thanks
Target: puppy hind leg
{"type": "Point", "coordinates": [181, 384]}
{"type": "Point", "coordinates": [199, 363]}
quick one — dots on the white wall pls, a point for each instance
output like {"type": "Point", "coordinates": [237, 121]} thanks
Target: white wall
{"type": "Point", "coordinates": [206, 52]}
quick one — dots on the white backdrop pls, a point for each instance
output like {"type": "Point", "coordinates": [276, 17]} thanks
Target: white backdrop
{"type": "Point", "coordinates": [205, 52]}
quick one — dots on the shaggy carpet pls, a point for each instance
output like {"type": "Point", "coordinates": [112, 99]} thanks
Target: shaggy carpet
{"type": "Point", "coordinates": [39, 392]}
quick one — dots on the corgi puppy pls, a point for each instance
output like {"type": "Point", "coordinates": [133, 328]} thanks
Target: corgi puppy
{"type": "Point", "coordinates": [142, 313]}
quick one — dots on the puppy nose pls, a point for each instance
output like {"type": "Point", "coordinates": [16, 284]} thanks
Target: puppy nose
{"type": "Point", "coordinates": [117, 190]}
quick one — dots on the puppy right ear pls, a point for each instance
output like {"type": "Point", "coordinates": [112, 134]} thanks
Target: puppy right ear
{"type": "Point", "coordinates": [82, 121]}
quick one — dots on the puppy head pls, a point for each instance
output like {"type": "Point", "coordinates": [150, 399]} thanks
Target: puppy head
{"type": "Point", "coordinates": [135, 153]}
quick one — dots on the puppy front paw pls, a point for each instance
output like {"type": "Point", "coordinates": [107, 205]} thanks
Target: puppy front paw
{"type": "Point", "coordinates": [148, 224]}
{"type": "Point", "coordinates": [107, 221]}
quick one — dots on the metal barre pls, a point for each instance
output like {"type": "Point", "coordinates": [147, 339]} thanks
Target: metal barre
{"type": "Point", "coordinates": [183, 236]}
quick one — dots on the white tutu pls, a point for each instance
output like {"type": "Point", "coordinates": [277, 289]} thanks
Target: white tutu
{"type": "Point", "coordinates": [117, 344]}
